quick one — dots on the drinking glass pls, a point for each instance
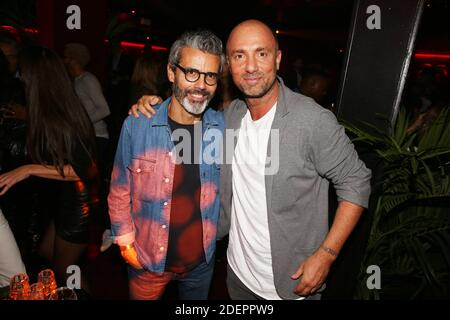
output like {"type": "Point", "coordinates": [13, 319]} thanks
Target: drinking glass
{"type": "Point", "coordinates": [47, 278]}
{"type": "Point", "coordinates": [63, 293]}
{"type": "Point", "coordinates": [37, 291]}
{"type": "Point", "coordinates": [19, 287]}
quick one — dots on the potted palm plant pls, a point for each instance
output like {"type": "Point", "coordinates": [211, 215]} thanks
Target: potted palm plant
{"type": "Point", "coordinates": [410, 234]}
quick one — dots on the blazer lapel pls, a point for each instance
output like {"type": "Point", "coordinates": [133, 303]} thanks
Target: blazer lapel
{"type": "Point", "coordinates": [276, 133]}
{"type": "Point", "coordinates": [233, 118]}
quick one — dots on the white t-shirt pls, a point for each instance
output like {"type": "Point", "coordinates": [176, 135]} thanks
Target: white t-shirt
{"type": "Point", "coordinates": [91, 95]}
{"type": "Point", "coordinates": [249, 252]}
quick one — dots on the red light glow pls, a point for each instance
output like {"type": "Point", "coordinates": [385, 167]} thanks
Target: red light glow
{"type": "Point", "coordinates": [432, 56]}
{"type": "Point", "coordinates": [12, 29]}
{"type": "Point", "coordinates": [127, 44]}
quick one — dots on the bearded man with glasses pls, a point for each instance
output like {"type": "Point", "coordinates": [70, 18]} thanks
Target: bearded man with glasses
{"type": "Point", "coordinates": [164, 200]}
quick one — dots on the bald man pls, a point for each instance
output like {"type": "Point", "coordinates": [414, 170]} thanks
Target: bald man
{"type": "Point", "coordinates": [280, 244]}
{"type": "Point", "coordinates": [283, 249]}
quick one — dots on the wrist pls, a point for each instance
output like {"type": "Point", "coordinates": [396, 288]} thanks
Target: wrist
{"type": "Point", "coordinates": [329, 251]}
{"type": "Point", "coordinates": [28, 169]}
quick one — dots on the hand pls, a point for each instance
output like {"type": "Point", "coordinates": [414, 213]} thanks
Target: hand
{"type": "Point", "coordinates": [144, 105]}
{"type": "Point", "coordinates": [130, 255]}
{"type": "Point", "coordinates": [7, 113]}
{"type": "Point", "coordinates": [313, 272]}
{"type": "Point", "coordinates": [15, 111]}
{"type": "Point", "coordinates": [7, 180]}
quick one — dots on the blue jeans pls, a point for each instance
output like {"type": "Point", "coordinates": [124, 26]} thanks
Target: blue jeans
{"type": "Point", "coordinates": [192, 285]}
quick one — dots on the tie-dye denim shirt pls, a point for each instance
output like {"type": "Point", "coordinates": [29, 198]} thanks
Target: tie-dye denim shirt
{"type": "Point", "coordinates": [142, 179]}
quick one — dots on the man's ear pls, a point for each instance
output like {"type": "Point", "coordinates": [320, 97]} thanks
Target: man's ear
{"type": "Point", "coordinates": [278, 59]}
{"type": "Point", "coordinates": [170, 73]}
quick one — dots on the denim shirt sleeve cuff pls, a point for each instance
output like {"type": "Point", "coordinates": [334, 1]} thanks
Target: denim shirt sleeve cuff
{"type": "Point", "coordinates": [124, 239]}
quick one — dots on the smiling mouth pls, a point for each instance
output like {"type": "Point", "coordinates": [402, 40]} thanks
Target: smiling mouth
{"type": "Point", "coordinates": [197, 96]}
{"type": "Point", "coordinates": [251, 80]}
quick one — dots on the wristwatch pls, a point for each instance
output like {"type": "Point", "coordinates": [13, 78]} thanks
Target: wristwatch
{"type": "Point", "coordinates": [127, 247]}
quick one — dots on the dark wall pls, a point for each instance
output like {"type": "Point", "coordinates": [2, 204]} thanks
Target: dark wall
{"type": "Point", "coordinates": [375, 68]}
{"type": "Point", "coordinates": [54, 33]}
{"type": "Point", "coordinates": [377, 61]}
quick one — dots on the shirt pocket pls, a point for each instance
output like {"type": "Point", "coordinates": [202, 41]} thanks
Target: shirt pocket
{"type": "Point", "coordinates": [143, 179]}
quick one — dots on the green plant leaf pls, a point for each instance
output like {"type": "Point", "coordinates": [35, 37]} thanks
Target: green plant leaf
{"type": "Point", "coordinates": [410, 233]}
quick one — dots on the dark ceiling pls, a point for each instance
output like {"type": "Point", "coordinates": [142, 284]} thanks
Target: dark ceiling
{"type": "Point", "coordinates": [170, 17]}
{"type": "Point", "coordinates": [320, 24]}
{"type": "Point", "coordinates": [313, 21]}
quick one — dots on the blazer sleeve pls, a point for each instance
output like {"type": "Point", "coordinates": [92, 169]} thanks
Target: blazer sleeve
{"type": "Point", "coordinates": [336, 159]}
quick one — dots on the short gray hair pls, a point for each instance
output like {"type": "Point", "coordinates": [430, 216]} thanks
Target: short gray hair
{"type": "Point", "coordinates": [202, 40]}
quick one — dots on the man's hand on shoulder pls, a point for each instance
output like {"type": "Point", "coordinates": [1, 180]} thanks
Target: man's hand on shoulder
{"type": "Point", "coordinates": [145, 106]}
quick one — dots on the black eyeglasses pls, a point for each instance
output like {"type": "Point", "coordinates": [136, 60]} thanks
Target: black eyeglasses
{"type": "Point", "coordinates": [193, 75]}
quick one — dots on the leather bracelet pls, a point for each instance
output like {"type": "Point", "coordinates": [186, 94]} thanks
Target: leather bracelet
{"type": "Point", "coordinates": [329, 251]}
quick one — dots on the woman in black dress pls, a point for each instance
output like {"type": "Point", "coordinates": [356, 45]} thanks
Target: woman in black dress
{"type": "Point", "coordinates": [61, 144]}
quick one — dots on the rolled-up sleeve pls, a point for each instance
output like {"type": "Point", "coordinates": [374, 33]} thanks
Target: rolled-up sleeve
{"type": "Point", "coordinates": [336, 159]}
{"type": "Point", "coordinates": [119, 198]}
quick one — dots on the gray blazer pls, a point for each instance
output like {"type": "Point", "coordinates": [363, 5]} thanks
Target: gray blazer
{"type": "Point", "coordinates": [313, 148]}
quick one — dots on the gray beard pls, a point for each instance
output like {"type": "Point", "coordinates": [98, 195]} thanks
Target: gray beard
{"type": "Point", "coordinates": [194, 108]}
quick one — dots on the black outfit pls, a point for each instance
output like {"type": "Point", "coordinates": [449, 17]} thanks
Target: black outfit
{"type": "Point", "coordinates": [72, 204]}
{"type": "Point", "coordinates": [69, 203]}
{"type": "Point", "coordinates": [19, 203]}
{"type": "Point", "coordinates": [185, 248]}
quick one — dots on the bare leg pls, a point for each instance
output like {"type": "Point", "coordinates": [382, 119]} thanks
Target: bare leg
{"type": "Point", "coordinates": [46, 247]}
{"type": "Point", "coordinates": [61, 254]}
{"type": "Point", "coordinates": [66, 254]}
